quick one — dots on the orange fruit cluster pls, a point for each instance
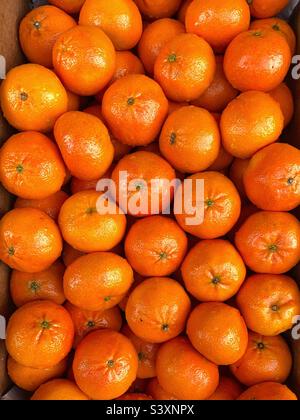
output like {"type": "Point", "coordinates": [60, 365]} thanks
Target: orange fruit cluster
{"type": "Point", "coordinates": [144, 305]}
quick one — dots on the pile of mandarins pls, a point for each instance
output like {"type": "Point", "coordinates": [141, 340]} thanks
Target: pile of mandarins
{"type": "Point", "coordinates": [149, 306]}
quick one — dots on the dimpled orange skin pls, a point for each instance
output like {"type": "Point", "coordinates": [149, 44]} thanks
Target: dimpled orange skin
{"type": "Point", "coordinates": [228, 390]}
{"type": "Point", "coordinates": [39, 30]}
{"type": "Point", "coordinates": [268, 391]}
{"type": "Point", "coordinates": [85, 229]}
{"type": "Point", "coordinates": [269, 303]}
{"type": "Point", "coordinates": [185, 67]}
{"type": "Point", "coordinates": [87, 321]}
{"type": "Point", "coordinates": [120, 20]}
{"type": "Point", "coordinates": [185, 373]}
{"type": "Point", "coordinates": [218, 332]}
{"type": "Point", "coordinates": [85, 145]}
{"type": "Point", "coordinates": [213, 271]}
{"type": "Point", "coordinates": [142, 169]}
{"type": "Point", "coordinates": [120, 148]}
{"type": "Point", "coordinates": [39, 334]}
{"type": "Point", "coordinates": [272, 178]}
{"type": "Point", "coordinates": [279, 25]}
{"type": "Point", "coordinates": [266, 8]}
{"type": "Point", "coordinates": [250, 122]}
{"type": "Point", "coordinates": [105, 364]}
{"type": "Point", "coordinates": [135, 108]}
{"type": "Point", "coordinates": [146, 354]}
{"type": "Point", "coordinates": [269, 242]}
{"type": "Point", "coordinates": [190, 139]}
{"type": "Point", "coordinates": [283, 95]}
{"type": "Point", "coordinates": [32, 98]}
{"type": "Point", "coordinates": [217, 22]}
{"type": "Point", "coordinates": [29, 378]}
{"type": "Point", "coordinates": [156, 391]}
{"type": "Point", "coordinates": [31, 166]}
{"type": "Point", "coordinates": [155, 36]}
{"type": "Point", "coordinates": [157, 309]}
{"type": "Point", "coordinates": [220, 92]}
{"type": "Point", "coordinates": [155, 246]}
{"type": "Point", "coordinates": [97, 281]}
{"type": "Point", "coordinates": [30, 240]}
{"type": "Point", "coordinates": [266, 359]}
{"type": "Point", "coordinates": [257, 60]}
{"type": "Point", "coordinates": [158, 8]}
{"type": "Point", "coordinates": [50, 205]}
{"type": "Point", "coordinates": [45, 285]}
{"type": "Point", "coordinates": [222, 206]}
{"type": "Point", "coordinates": [69, 6]}
{"type": "Point", "coordinates": [59, 390]}
{"type": "Point", "coordinates": [84, 58]}
{"type": "Point", "coordinates": [127, 63]}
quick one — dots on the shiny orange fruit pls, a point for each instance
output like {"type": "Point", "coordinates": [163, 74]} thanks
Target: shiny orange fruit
{"type": "Point", "coordinates": [39, 30]}
{"type": "Point", "coordinates": [155, 246]}
{"type": "Point", "coordinates": [218, 332]}
{"type": "Point", "coordinates": [29, 378]}
{"type": "Point", "coordinates": [50, 205]}
{"type": "Point", "coordinates": [105, 364]}
{"type": "Point", "coordinates": [59, 390]}
{"type": "Point", "coordinates": [32, 98]}
{"type": "Point", "coordinates": [268, 391]}
{"type": "Point", "coordinates": [213, 270]}
{"type": "Point", "coordinates": [267, 359]}
{"type": "Point", "coordinates": [84, 58]}
{"type": "Point", "coordinates": [266, 8]}
{"type": "Point", "coordinates": [157, 309]}
{"type": "Point", "coordinates": [185, 373]}
{"type": "Point", "coordinates": [39, 334]}
{"type": "Point", "coordinates": [258, 59]}
{"type": "Point", "coordinates": [45, 285]}
{"type": "Point", "coordinates": [85, 228]}
{"type": "Point", "coordinates": [30, 240]}
{"type": "Point", "coordinates": [85, 144]}
{"type": "Point", "coordinates": [86, 321]}
{"type": "Point", "coordinates": [120, 20]}
{"type": "Point", "coordinates": [217, 22]}
{"type": "Point", "coordinates": [97, 281]}
{"type": "Point", "coordinates": [135, 108]}
{"type": "Point", "coordinates": [144, 183]}
{"type": "Point", "coordinates": [185, 67]}
{"type": "Point", "coordinates": [272, 178]}
{"type": "Point", "coordinates": [269, 303]}
{"type": "Point", "coordinates": [23, 159]}
{"type": "Point", "coordinates": [155, 36]}
{"type": "Point", "coordinates": [269, 242]}
{"type": "Point", "coordinates": [146, 354]}
{"type": "Point", "coordinates": [190, 139]}
{"type": "Point", "coordinates": [219, 93]}
{"type": "Point", "coordinates": [220, 203]}
{"type": "Point", "coordinates": [250, 122]}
